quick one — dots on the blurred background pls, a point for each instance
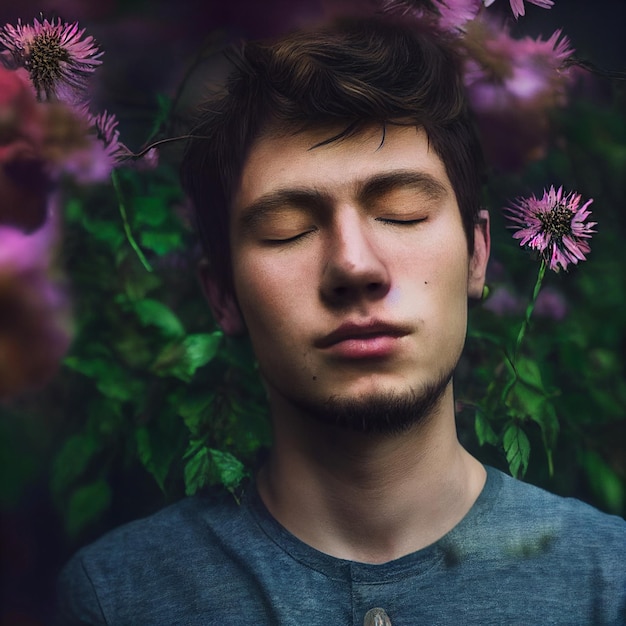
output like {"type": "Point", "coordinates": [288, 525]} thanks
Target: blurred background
{"type": "Point", "coordinates": [151, 403]}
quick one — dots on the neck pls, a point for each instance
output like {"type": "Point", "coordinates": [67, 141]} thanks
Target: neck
{"type": "Point", "coordinates": [365, 497]}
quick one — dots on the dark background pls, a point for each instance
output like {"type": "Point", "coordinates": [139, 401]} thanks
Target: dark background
{"type": "Point", "coordinates": [148, 46]}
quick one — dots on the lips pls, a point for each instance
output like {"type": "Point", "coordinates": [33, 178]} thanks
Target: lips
{"type": "Point", "coordinates": [355, 333]}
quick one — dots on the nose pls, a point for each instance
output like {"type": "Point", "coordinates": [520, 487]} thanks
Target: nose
{"type": "Point", "coordinates": [355, 268]}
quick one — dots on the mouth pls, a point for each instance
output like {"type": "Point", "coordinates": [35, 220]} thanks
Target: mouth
{"type": "Point", "coordinates": [361, 333]}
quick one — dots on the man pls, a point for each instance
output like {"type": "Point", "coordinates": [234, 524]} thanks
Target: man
{"type": "Point", "coordinates": [337, 186]}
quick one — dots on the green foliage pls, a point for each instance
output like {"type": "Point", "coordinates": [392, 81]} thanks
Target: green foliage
{"type": "Point", "coordinates": [603, 480]}
{"type": "Point", "coordinates": [86, 504]}
{"type": "Point", "coordinates": [517, 449]}
{"type": "Point", "coordinates": [152, 386]}
{"type": "Point", "coordinates": [564, 388]}
{"type": "Point", "coordinates": [151, 382]}
{"type": "Point", "coordinates": [207, 466]}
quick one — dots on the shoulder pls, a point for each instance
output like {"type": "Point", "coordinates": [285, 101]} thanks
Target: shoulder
{"type": "Point", "coordinates": [540, 557]}
{"type": "Point", "coordinates": [175, 528]}
{"type": "Point", "coordinates": [528, 521]}
{"type": "Point", "coordinates": [140, 559]}
{"type": "Point", "coordinates": [523, 502]}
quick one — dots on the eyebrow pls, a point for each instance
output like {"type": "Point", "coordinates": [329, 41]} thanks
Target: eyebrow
{"type": "Point", "coordinates": [297, 197]}
{"type": "Point", "coordinates": [386, 182]}
{"type": "Point", "coordinates": [368, 191]}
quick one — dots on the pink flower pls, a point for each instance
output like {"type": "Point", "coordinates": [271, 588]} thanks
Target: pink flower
{"type": "Point", "coordinates": [39, 143]}
{"type": "Point", "coordinates": [105, 127]}
{"type": "Point", "coordinates": [455, 14]}
{"type": "Point", "coordinates": [20, 115]}
{"type": "Point", "coordinates": [517, 6]}
{"type": "Point", "coordinates": [502, 69]}
{"type": "Point", "coordinates": [512, 85]}
{"type": "Point", "coordinates": [24, 181]}
{"type": "Point", "coordinates": [554, 226]}
{"type": "Point", "coordinates": [57, 56]}
{"type": "Point", "coordinates": [447, 15]}
{"type": "Point", "coordinates": [36, 321]}
{"type": "Point", "coordinates": [101, 150]}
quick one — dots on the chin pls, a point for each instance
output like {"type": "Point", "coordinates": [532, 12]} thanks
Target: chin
{"type": "Point", "coordinates": [379, 412]}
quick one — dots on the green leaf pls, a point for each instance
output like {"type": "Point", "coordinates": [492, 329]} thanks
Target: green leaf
{"type": "Point", "coordinates": [134, 347]}
{"type": "Point", "coordinates": [162, 242]}
{"type": "Point", "coordinates": [111, 380]}
{"type": "Point", "coordinates": [201, 348]}
{"type": "Point", "coordinates": [71, 461]}
{"type": "Point", "coordinates": [106, 419]}
{"type": "Point", "coordinates": [229, 470]}
{"type": "Point", "coordinates": [105, 231]}
{"type": "Point", "coordinates": [19, 466]}
{"type": "Point", "coordinates": [156, 448]}
{"type": "Point", "coordinates": [137, 282]}
{"type": "Point", "coordinates": [604, 482]}
{"type": "Point", "coordinates": [196, 468]}
{"type": "Point", "coordinates": [517, 450]}
{"type": "Point", "coordinates": [149, 210]}
{"type": "Point", "coordinates": [485, 336]}
{"type": "Point", "coordinates": [155, 313]}
{"type": "Point", "coordinates": [163, 112]}
{"type": "Point", "coordinates": [529, 400]}
{"type": "Point", "coordinates": [207, 466]}
{"type": "Point", "coordinates": [182, 359]}
{"type": "Point", "coordinates": [171, 362]}
{"type": "Point", "coordinates": [194, 410]}
{"type": "Point", "coordinates": [86, 505]}
{"type": "Point", "coordinates": [529, 372]}
{"type": "Point", "coordinates": [93, 367]}
{"type": "Point", "coordinates": [73, 210]}
{"type": "Point", "coordinates": [484, 431]}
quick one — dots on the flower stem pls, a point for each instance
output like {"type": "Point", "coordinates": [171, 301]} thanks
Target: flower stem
{"type": "Point", "coordinates": [127, 230]}
{"type": "Point", "coordinates": [512, 360]}
{"type": "Point", "coordinates": [529, 310]}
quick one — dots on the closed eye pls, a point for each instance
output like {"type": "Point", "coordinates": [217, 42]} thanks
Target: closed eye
{"type": "Point", "coordinates": [386, 220]}
{"type": "Point", "coordinates": [286, 240]}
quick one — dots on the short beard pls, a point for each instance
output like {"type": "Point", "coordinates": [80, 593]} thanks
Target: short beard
{"type": "Point", "coordinates": [388, 413]}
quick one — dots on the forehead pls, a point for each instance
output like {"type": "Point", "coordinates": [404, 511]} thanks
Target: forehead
{"type": "Point", "coordinates": [284, 160]}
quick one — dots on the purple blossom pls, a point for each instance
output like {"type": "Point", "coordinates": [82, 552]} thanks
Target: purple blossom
{"type": "Point", "coordinates": [503, 69]}
{"type": "Point", "coordinates": [447, 15]}
{"type": "Point", "coordinates": [554, 226]}
{"type": "Point", "coordinates": [512, 86]}
{"type": "Point", "coordinates": [58, 57]}
{"type": "Point", "coordinates": [454, 14]}
{"type": "Point", "coordinates": [105, 127]}
{"type": "Point", "coordinates": [43, 141]}
{"type": "Point", "coordinates": [36, 313]}
{"type": "Point", "coordinates": [517, 6]}
{"type": "Point", "coordinates": [102, 151]}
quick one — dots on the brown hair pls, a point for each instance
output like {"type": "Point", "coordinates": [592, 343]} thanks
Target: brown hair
{"type": "Point", "coordinates": [355, 72]}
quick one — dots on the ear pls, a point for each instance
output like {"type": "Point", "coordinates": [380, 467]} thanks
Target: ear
{"type": "Point", "coordinates": [480, 256]}
{"type": "Point", "coordinates": [223, 305]}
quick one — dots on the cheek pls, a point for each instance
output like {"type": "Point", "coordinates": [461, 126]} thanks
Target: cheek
{"type": "Point", "coordinates": [452, 301]}
{"type": "Point", "coordinates": [438, 275]}
{"type": "Point", "coordinates": [438, 268]}
{"type": "Point", "coordinates": [268, 295]}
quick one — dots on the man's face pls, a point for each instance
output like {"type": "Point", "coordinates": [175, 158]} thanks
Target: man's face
{"type": "Point", "coordinates": [351, 268]}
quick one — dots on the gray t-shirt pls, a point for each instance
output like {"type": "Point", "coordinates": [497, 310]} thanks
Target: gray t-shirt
{"type": "Point", "coordinates": [520, 556]}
